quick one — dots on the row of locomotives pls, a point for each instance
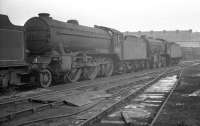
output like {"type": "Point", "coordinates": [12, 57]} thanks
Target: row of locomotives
{"type": "Point", "coordinates": [67, 51]}
{"type": "Point", "coordinates": [13, 67]}
{"type": "Point", "coordinates": [46, 51]}
{"type": "Point", "coordinates": [174, 53]}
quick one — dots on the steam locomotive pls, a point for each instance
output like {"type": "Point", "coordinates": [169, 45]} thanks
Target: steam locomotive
{"type": "Point", "coordinates": [46, 51]}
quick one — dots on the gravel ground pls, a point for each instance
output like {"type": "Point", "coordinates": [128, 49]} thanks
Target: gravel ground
{"type": "Point", "coordinates": [183, 107]}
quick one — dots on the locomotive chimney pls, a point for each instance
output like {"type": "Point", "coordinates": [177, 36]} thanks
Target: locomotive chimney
{"type": "Point", "coordinates": [44, 15]}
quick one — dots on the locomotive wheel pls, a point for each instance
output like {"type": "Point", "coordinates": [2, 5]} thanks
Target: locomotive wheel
{"type": "Point", "coordinates": [45, 78]}
{"type": "Point", "coordinates": [91, 72]}
{"type": "Point", "coordinates": [74, 75]}
{"type": "Point", "coordinates": [109, 69]}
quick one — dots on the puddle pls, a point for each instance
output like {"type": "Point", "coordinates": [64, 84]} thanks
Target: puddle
{"type": "Point", "coordinates": [115, 114]}
{"type": "Point", "coordinates": [152, 101]}
{"type": "Point", "coordinates": [133, 106]}
{"type": "Point", "coordinates": [195, 93]}
{"type": "Point", "coordinates": [137, 113]}
{"type": "Point", "coordinates": [179, 104]}
{"type": "Point", "coordinates": [152, 96]}
{"type": "Point", "coordinates": [150, 105]}
{"type": "Point", "coordinates": [133, 110]}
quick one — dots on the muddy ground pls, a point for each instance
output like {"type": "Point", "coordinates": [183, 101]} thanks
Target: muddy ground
{"type": "Point", "coordinates": [183, 107]}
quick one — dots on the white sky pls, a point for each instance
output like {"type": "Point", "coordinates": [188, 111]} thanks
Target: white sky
{"type": "Point", "coordinates": [124, 15]}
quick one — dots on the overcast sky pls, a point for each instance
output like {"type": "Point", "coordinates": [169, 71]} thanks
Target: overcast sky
{"type": "Point", "coordinates": [124, 15]}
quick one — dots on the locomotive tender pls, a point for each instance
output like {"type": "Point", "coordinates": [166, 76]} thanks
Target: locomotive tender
{"type": "Point", "coordinates": [174, 53]}
{"type": "Point", "coordinates": [49, 50]}
{"type": "Point", "coordinates": [12, 52]}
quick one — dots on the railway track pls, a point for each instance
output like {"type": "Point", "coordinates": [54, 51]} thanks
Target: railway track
{"type": "Point", "coordinates": [72, 86]}
{"type": "Point", "coordinates": [13, 110]}
{"type": "Point", "coordinates": [78, 84]}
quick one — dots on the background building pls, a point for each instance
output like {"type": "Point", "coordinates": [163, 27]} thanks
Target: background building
{"type": "Point", "coordinates": [185, 38]}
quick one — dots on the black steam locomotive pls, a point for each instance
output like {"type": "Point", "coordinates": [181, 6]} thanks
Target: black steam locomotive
{"type": "Point", "coordinates": [45, 50]}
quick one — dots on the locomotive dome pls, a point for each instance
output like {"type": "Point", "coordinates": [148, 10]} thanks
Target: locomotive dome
{"type": "Point", "coordinates": [44, 34]}
{"type": "Point", "coordinates": [73, 21]}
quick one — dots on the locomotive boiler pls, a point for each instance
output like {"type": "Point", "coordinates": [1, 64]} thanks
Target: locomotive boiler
{"type": "Point", "coordinates": [44, 34]}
